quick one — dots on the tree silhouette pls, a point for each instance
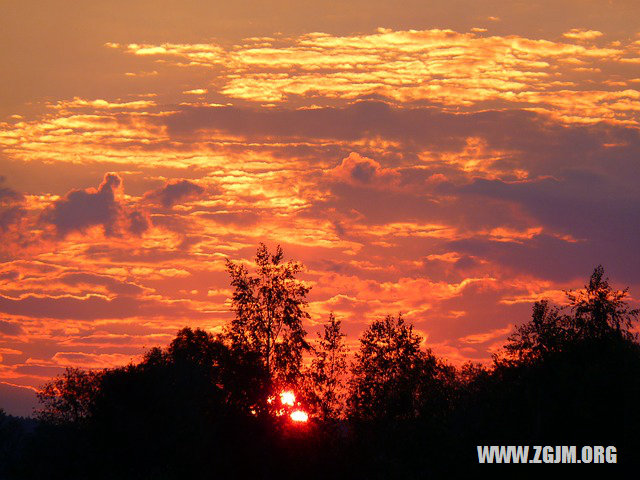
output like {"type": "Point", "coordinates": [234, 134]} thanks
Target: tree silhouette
{"type": "Point", "coordinates": [548, 332]}
{"type": "Point", "coordinates": [597, 312]}
{"type": "Point", "coordinates": [328, 368]}
{"type": "Point", "coordinates": [270, 308]}
{"type": "Point", "coordinates": [68, 397]}
{"type": "Point", "coordinates": [193, 399]}
{"type": "Point", "coordinates": [391, 374]}
{"type": "Point", "coordinates": [238, 374]}
{"type": "Point", "coordinates": [571, 372]}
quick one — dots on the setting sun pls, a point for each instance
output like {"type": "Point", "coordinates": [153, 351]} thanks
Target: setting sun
{"type": "Point", "coordinates": [287, 398]}
{"type": "Point", "coordinates": [299, 416]}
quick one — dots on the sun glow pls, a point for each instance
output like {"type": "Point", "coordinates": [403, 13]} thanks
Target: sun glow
{"type": "Point", "coordinates": [299, 416]}
{"type": "Point", "coordinates": [290, 407]}
{"type": "Point", "coordinates": [287, 398]}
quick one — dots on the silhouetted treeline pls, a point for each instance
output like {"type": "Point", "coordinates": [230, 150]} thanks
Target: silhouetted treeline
{"type": "Point", "coordinates": [207, 405]}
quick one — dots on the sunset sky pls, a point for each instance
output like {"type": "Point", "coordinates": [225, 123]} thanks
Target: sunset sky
{"type": "Point", "coordinates": [453, 160]}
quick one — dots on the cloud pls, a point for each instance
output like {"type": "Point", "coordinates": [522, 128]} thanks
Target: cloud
{"type": "Point", "coordinates": [241, 218]}
{"type": "Point", "coordinates": [175, 192]}
{"type": "Point", "coordinates": [196, 54]}
{"type": "Point", "coordinates": [447, 175]}
{"type": "Point", "coordinates": [484, 337]}
{"type": "Point", "coordinates": [12, 208]}
{"type": "Point", "coordinates": [83, 209]}
{"type": "Point", "coordinates": [582, 34]}
{"type": "Point", "coordinates": [414, 129]}
{"type": "Point", "coordinates": [91, 360]}
{"type": "Point", "coordinates": [227, 137]}
{"type": "Point", "coordinates": [543, 256]}
{"type": "Point", "coordinates": [195, 91]}
{"type": "Point", "coordinates": [359, 170]}
{"type": "Point", "coordinates": [104, 104]}
{"type": "Point", "coordinates": [138, 222]}
{"type": "Point", "coordinates": [441, 66]}
{"type": "Point", "coordinates": [580, 204]}
{"type": "Point", "coordinates": [593, 217]}
{"type": "Point", "coordinates": [91, 279]}
{"type": "Point", "coordinates": [10, 328]}
{"type": "Point", "coordinates": [92, 307]}
{"type": "Point", "coordinates": [14, 223]}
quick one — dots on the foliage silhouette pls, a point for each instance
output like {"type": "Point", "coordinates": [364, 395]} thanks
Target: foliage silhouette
{"type": "Point", "coordinates": [570, 376]}
{"type": "Point", "coordinates": [190, 400]}
{"type": "Point", "coordinates": [270, 308]}
{"type": "Point", "coordinates": [325, 381]}
{"type": "Point", "coordinates": [392, 378]}
{"type": "Point", "coordinates": [596, 313]}
{"type": "Point", "coordinates": [548, 332]}
{"type": "Point", "coordinates": [67, 398]}
{"type": "Point", "coordinates": [601, 312]}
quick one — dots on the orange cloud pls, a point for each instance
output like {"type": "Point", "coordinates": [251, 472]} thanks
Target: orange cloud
{"type": "Point", "coordinates": [443, 66]}
{"type": "Point", "coordinates": [360, 170]}
{"type": "Point", "coordinates": [582, 34]}
{"type": "Point", "coordinates": [195, 91]}
{"type": "Point", "coordinates": [100, 104]}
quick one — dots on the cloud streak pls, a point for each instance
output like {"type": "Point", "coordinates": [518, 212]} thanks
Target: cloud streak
{"type": "Point", "coordinates": [452, 69]}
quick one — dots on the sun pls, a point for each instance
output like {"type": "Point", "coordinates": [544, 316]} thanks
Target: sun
{"type": "Point", "coordinates": [299, 416]}
{"type": "Point", "coordinates": [287, 398]}
{"type": "Point", "coordinates": [290, 407]}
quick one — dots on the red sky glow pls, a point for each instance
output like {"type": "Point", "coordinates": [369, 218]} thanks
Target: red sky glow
{"type": "Point", "coordinates": [453, 161]}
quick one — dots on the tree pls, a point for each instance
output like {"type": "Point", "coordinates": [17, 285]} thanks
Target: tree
{"type": "Point", "coordinates": [238, 375]}
{"type": "Point", "coordinates": [570, 369]}
{"type": "Point", "coordinates": [596, 313]}
{"type": "Point", "coordinates": [270, 308]}
{"type": "Point", "coordinates": [328, 368]}
{"type": "Point", "coordinates": [391, 376]}
{"type": "Point", "coordinates": [548, 332]}
{"type": "Point", "coordinates": [198, 399]}
{"type": "Point", "coordinates": [233, 378]}
{"type": "Point", "coordinates": [599, 311]}
{"type": "Point", "coordinates": [68, 398]}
